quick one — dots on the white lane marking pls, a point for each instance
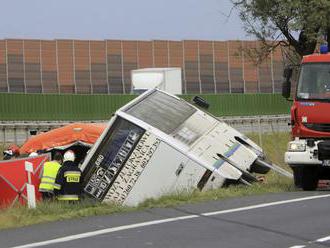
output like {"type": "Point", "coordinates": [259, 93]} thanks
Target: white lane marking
{"type": "Point", "coordinates": [265, 205]}
{"type": "Point", "coordinates": [104, 231]}
{"type": "Point", "coordinates": [325, 239]}
{"type": "Point", "coordinates": [156, 222]}
{"type": "Point", "coordinates": [320, 240]}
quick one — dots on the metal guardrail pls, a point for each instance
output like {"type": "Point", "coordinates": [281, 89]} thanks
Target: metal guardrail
{"type": "Point", "coordinates": [260, 124]}
{"type": "Point", "coordinates": [17, 131]}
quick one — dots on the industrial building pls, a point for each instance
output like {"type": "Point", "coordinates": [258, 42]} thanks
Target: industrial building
{"type": "Point", "coordinates": [104, 66]}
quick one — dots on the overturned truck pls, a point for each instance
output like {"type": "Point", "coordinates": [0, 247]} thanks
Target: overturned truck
{"type": "Point", "coordinates": [160, 144]}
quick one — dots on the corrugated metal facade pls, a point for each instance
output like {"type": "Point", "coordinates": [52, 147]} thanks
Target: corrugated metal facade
{"type": "Point", "coordinates": [103, 67]}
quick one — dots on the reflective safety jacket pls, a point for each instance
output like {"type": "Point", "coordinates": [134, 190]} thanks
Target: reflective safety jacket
{"type": "Point", "coordinates": [48, 177]}
{"type": "Point", "coordinates": [68, 182]}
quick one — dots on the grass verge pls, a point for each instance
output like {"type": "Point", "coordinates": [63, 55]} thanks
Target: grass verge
{"type": "Point", "coordinates": [274, 145]}
{"type": "Point", "coordinates": [2, 148]}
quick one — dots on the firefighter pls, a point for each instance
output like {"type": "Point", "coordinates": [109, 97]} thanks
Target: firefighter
{"type": "Point", "coordinates": [68, 180]}
{"type": "Point", "coordinates": [11, 152]}
{"type": "Point", "coordinates": [48, 176]}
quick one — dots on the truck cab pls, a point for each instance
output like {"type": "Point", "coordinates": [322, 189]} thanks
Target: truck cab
{"type": "Point", "coordinates": [308, 153]}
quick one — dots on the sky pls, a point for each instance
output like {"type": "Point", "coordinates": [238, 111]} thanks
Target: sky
{"type": "Point", "coordinates": [120, 19]}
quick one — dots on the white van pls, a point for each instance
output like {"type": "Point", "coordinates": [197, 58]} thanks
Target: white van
{"type": "Point", "coordinates": [159, 144]}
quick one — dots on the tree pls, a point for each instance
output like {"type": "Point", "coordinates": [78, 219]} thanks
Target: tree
{"type": "Point", "coordinates": [295, 24]}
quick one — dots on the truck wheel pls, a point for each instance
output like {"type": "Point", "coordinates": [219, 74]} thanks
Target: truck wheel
{"type": "Point", "coordinates": [309, 177]}
{"type": "Point", "coordinates": [297, 176]}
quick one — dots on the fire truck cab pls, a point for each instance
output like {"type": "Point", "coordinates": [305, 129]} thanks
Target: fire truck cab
{"type": "Point", "coordinates": [308, 153]}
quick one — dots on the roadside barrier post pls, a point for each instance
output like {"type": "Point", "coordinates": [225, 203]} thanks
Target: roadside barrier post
{"type": "Point", "coordinates": [259, 131]}
{"type": "Point", "coordinates": [30, 190]}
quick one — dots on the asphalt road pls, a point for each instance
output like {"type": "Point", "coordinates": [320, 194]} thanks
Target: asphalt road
{"type": "Point", "coordinates": [296, 220]}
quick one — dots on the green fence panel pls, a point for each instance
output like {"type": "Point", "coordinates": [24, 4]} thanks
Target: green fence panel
{"type": "Point", "coordinates": [245, 104]}
{"type": "Point", "coordinates": [44, 107]}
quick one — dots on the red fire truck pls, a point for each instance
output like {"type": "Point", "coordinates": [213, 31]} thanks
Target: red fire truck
{"type": "Point", "coordinates": [308, 153]}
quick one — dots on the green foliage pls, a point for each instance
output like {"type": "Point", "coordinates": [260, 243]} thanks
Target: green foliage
{"type": "Point", "coordinates": [296, 23]}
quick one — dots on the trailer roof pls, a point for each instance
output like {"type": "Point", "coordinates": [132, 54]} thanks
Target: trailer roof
{"type": "Point", "coordinates": [160, 69]}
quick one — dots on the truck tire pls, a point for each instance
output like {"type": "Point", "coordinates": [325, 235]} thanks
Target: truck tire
{"type": "Point", "coordinates": [259, 168]}
{"type": "Point", "coordinates": [297, 176]}
{"type": "Point", "coordinates": [309, 178]}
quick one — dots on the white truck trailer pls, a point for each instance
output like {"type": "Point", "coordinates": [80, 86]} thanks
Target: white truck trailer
{"type": "Point", "coordinates": [159, 144]}
{"type": "Point", "coordinates": [166, 79]}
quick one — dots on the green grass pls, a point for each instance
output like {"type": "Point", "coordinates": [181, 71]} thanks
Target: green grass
{"type": "Point", "coordinates": [274, 145]}
{"type": "Point", "coordinates": [2, 148]}
{"type": "Point", "coordinates": [51, 211]}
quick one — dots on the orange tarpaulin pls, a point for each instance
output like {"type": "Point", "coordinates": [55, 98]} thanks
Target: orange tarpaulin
{"type": "Point", "coordinates": [85, 133]}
